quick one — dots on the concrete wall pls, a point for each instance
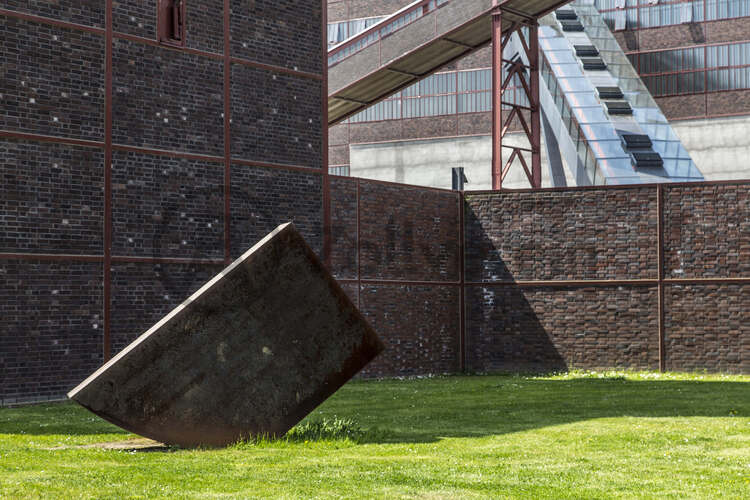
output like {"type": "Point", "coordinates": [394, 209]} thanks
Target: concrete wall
{"type": "Point", "coordinates": [195, 162]}
{"type": "Point", "coordinates": [720, 147]}
{"type": "Point", "coordinates": [428, 162]}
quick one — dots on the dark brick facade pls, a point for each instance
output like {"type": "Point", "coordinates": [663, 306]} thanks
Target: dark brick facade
{"type": "Point", "coordinates": [262, 198]}
{"type": "Point", "coordinates": [167, 99]}
{"type": "Point", "coordinates": [396, 250]}
{"type": "Point", "coordinates": [274, 118]}
{"type": "Point", "coordinates": [51, 328]}
{"type": "Point", "coordinates": [205, 25]}
{"type": "Point", "coordinates": [552, 280]}
{"type": "Point", "coordinates": [158, 185]}
{"type": "Point", "coordinates": [167, 207]}
{"type": "Point", "coordinates": [142, 293]}
{"type": "Point", "coordinates": [419, 325]}
{"type": "Point", "coordinates": [513, 328]}
{"type": "Point", "coordinates": [344, 201]}
{"type": "Point", "coordinates": [135, 18]}
{"type": "Point", "coordinates": [290, 38]}
{"type": "Point", "coordinates": [559, 235]}
{"type": "Point", "coordinates": [83, 12]}
{"type": "Point", "coordinates": [707, 231]}
{"type": "Point", "coordinates": [408, 233]}
{"type": "Point", "coordinates": [53, 80]}
{"type": "Point", "coordinates": [51, 198]}
{"type": "Point", "coordinates": [708, 328]}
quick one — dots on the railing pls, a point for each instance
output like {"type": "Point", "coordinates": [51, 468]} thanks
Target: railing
{"type": "Point", "coordinates": [384, 28]}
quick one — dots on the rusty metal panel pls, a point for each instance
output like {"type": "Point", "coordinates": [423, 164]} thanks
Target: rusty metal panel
{"type": "Point", "coordinates": [252, 352]}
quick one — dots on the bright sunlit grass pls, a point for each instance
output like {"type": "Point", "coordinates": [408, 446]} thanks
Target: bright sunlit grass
{"type": "Point", "coordinates": [575, 435]}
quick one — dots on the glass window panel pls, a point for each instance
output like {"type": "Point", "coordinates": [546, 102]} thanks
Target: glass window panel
{"type": "Point", "coordinates": [607, 149]}
{"type": "Point", "coordinates": [590, 115]}
{"type": "Point", "coordinates": [562, 70]}
{"type": "Point", "coordinates": [582, 99]}
{"type": "Point", "coordinates": [599, 132]}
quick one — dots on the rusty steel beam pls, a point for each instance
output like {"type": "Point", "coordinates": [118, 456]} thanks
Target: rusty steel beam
{"type": "Point", "coordinates": [500, 126]}
{"type": "Point", "coordinates": [497, 99]}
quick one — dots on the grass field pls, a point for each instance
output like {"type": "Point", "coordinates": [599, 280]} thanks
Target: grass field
{"type": "Point", "coordinates": [580, 435]}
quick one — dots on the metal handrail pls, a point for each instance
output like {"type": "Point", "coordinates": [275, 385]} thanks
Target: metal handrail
{"type": "Point", "coordinates": [382, 29]}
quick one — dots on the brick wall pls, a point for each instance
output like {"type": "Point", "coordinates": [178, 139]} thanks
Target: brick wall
{"type": "Point", "coordinates": [699, 105]}
{"type": "Point", "coordinates": [551, 280]}
{"type": "Point", "coordinates": [109, 217]}
{"type": "Point", "coordinates": [396, 252]}
{"type": "Point", "coordinates": [571, 278]}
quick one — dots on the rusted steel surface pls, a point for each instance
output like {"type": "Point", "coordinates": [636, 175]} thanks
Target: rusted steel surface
{"type": "Point", "coordinates": [252, 352]}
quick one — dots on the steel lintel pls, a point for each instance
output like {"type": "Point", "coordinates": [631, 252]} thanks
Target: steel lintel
{"type": "Point", "coordinates": [528, 75]}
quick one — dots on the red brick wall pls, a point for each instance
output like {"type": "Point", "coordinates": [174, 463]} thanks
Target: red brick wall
{"type": "Point", "coordinates": [552, 280]}
{"type": "Point", "coordinates": [396, 251]}
{"type": "Point", "coordinates": [589, 267]}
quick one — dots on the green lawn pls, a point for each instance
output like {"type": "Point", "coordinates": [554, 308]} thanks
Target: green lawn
{"type": "Point", "coordinates": [581, 435]}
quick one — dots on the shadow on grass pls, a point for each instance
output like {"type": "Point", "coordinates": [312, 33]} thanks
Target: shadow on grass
{"type": "Point", "coordinates": [491, 405]}
{"type": "Point", "coordinates": [426, 410]}
{"type": "Point", "coordinates": [54, 418]}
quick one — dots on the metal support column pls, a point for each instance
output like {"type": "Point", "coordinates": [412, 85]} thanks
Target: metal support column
{"type": "Point", "coordinates": [524, 77]}
{"type": "Point", "coordinates": [497, 99]}
{"type": "Point", "coordinates": [536, 127]}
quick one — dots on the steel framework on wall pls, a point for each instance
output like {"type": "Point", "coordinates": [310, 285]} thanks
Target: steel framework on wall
{"type": "Point", "coordinates": [451, 40]}
{"type": "Point", "coordinates": [519, 71]}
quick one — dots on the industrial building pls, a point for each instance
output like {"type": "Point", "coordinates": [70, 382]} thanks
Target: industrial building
{"type": "Point", "coordinates": [144, 145]}
{"type": "Point", "coordinates": [692, 56]}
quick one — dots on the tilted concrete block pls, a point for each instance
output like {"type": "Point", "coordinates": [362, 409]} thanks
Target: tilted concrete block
{"type": "Point", "coordinates": [250, 353]}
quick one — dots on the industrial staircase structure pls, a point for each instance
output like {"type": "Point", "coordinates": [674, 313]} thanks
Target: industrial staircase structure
{"type": "Point", "coordinates": [599, 119]}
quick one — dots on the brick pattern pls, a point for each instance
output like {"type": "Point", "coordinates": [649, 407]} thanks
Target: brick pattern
{"type": "Point", "coordinates": [344, 228]}
{"type": "Point", "coordinates": [167, 99]}
{"type": "Point", "coordinates": [678, 35]}
{"type": "Point", "coordinates": [408, 233]}
{"type": "Point", "coordinates": [352, 291]}
{"type": "Point", "coordinates": [706, 104]}
{"type": "Point", "coordinates": [419, 326]}
{"type": "Point", "coordinates": [356, 9]}
{"type": "Point", "coordinates": [263, 198]}
{"type": "Point", "coordinates": [144, 293]}
{"type": "Point", "coordinates": [51, 328]}
{"type": "Point", "coordinates": [52, 195]}
{"type": "Point", "coordinates": [684, 106]}
{"type": "Point", "coordinates": [51, 198]}
{"type": "Point", "coordinates": [731, 102]}
{"type": "Point", "coordinates": [53, 80]}
{"type": "Point", "coordinates": [135, 17]}
{"type": "Point", "coordinates": [707, 231]}
{"type": "Point", "coordinates": [512, 329]}
{"type": "Point", "coordinates": [274, 118]}
{"type": "Point", "coordinates": [84, 12]}
{"type": "Point", "coordinates": [204, 25]}
{"type": "Point", "coordinates": [559, 235]}
{"type": "Point", "coordinates": [167, 207]}
{"type": "Point", "coordinates": [289, 37]}
{"type": "Point", "coordinates": [708, 328]}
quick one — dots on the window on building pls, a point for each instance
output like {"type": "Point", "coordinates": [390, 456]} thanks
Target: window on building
{"type": "Point", "coordinates": [171, 22]}
{"type": "Point", "coordinates": [696, 69]}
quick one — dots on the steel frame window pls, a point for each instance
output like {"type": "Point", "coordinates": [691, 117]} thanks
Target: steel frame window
{"type": "Point", "coordinates": [171, 22]}
{"type": "Point", "coordinates": [695, 70]}
{"type": "Point", "coordinates": [443, 94]}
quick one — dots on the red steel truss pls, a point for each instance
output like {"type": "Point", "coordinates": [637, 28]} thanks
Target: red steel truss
{"type": "Point", "coordinates": [527, 116]}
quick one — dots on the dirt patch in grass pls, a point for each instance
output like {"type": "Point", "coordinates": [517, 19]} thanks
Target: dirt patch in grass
{"type": "Point", "coordinates": [135, 444]}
